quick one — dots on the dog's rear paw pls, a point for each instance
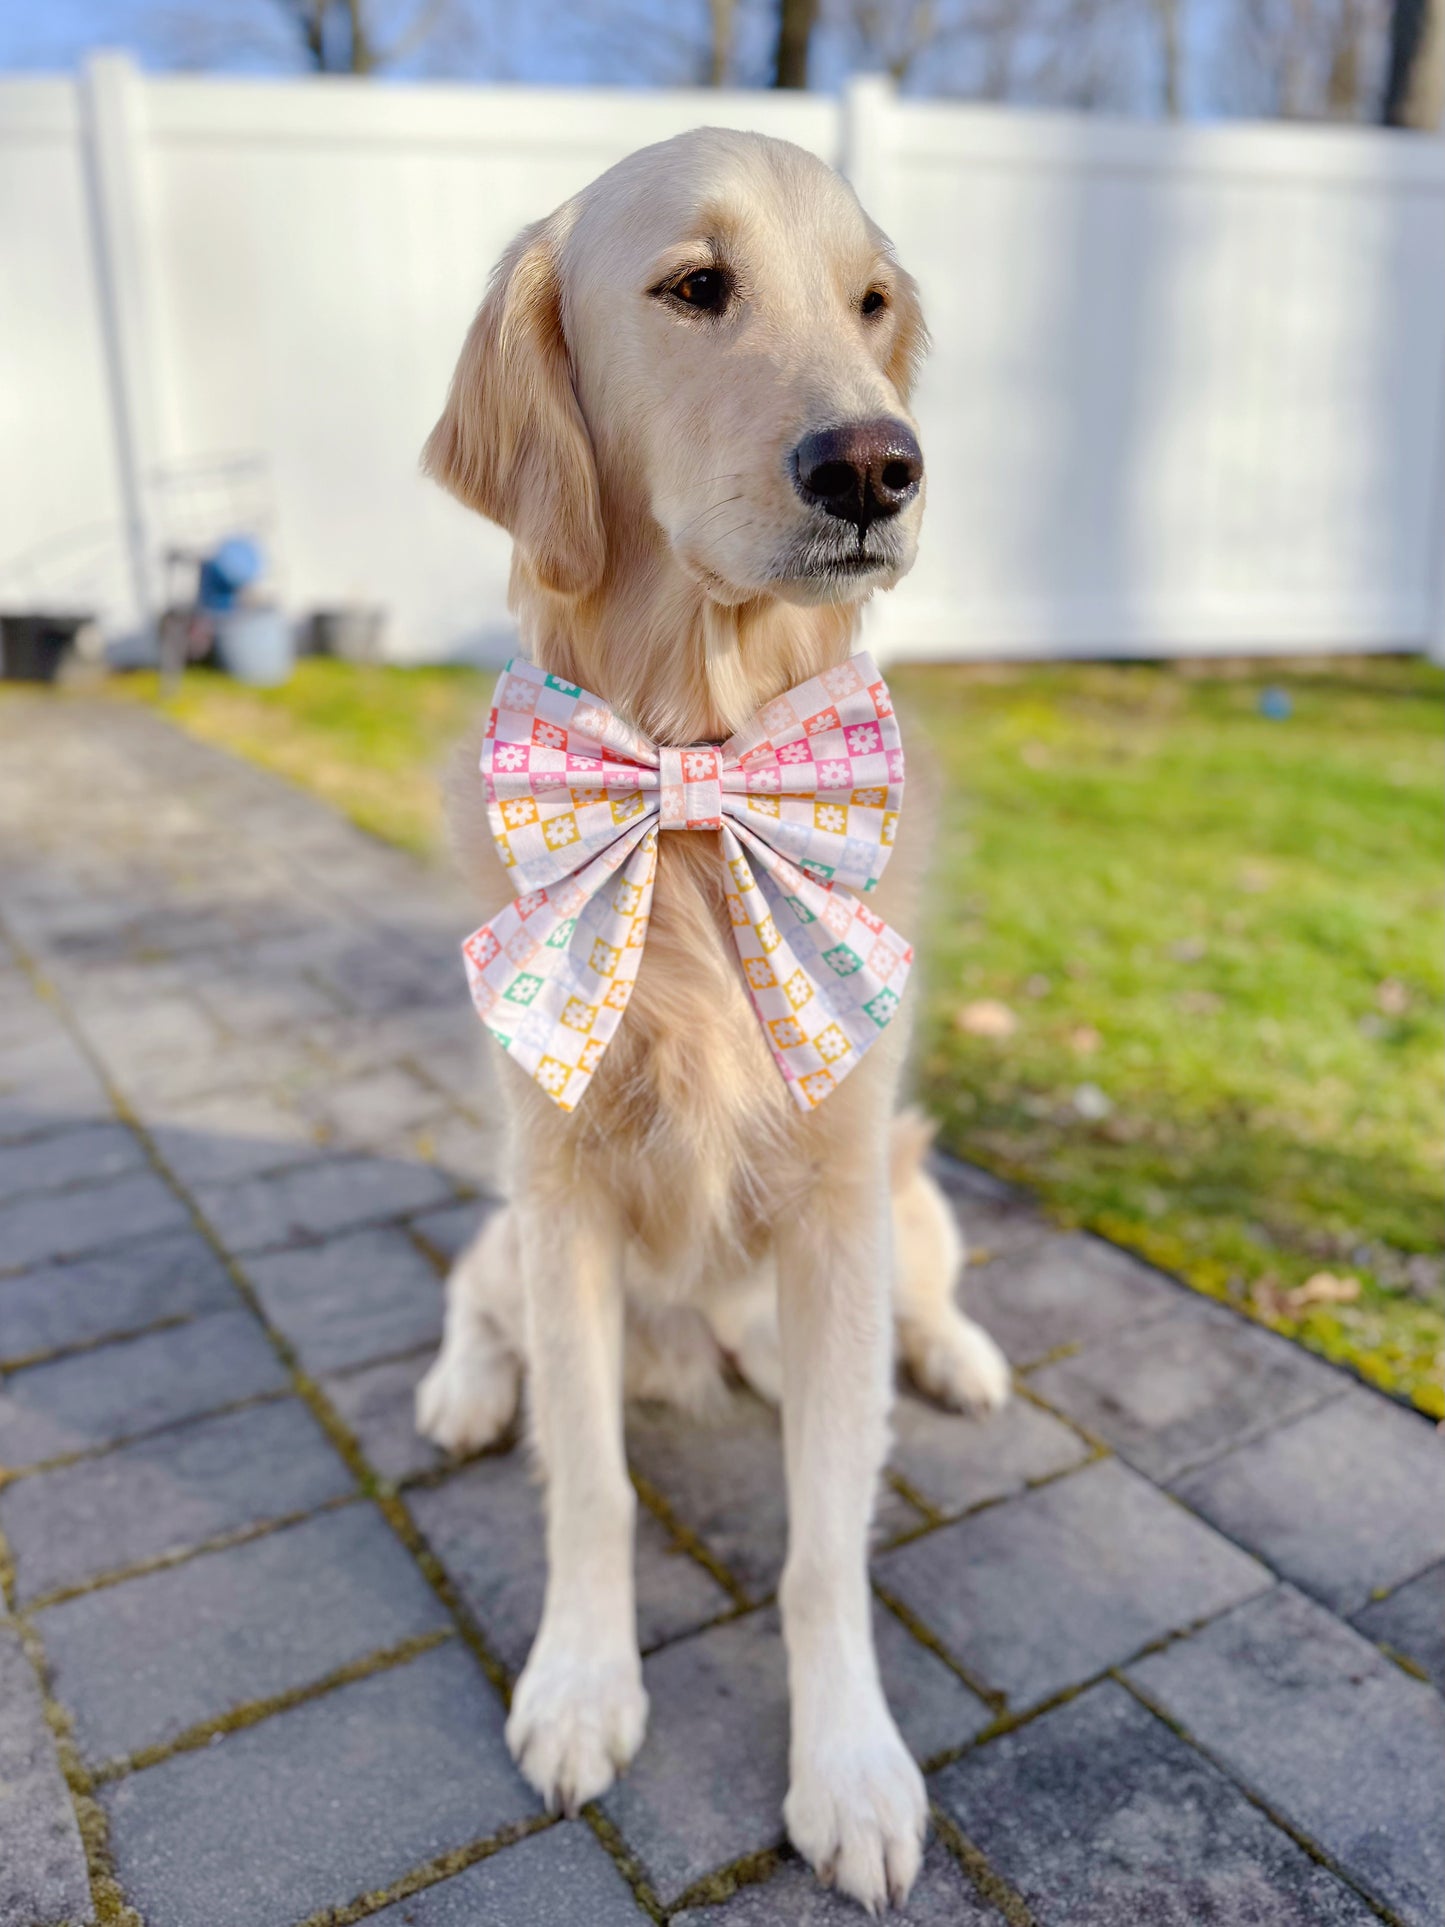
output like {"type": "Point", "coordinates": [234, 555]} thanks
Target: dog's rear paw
{"type": "Point", "coordinates": [857, 1812]}
{"type": "Point", "coordinates": [468, 1397]}
{"type": "Point", "coordinates": [957, 1363]}
{"type": "Point", "coordinates": [575, 1723]}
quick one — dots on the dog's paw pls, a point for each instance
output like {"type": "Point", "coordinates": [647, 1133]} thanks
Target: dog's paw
{"type": "Point", "coordinates": [468, 1397]}
{"type": "Point", "coordinates": [857, 1811]}
{"type": "Point", "coordinates": [575, 1723]}
{"type": "Point", "coordinates": [957, 1363]}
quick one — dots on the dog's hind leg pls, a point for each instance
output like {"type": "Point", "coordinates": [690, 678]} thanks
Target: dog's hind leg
{"type": "Point", "coordinates": [948, 1356]}
{"type": "Point", "coordinates": [469, 1396]}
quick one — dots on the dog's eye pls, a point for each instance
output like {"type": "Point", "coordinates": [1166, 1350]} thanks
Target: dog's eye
{"type": "Point", "coordinates": [873, 301]}
{"type": "Point", "coordinates": [705, 288]}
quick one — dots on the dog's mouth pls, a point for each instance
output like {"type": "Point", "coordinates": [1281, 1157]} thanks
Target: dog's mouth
{"type": "Point", "coordinates": [822, 560]}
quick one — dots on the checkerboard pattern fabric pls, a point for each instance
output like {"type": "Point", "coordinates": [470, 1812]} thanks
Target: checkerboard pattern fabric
{"type": "Point", "coordinates": [805, 802]}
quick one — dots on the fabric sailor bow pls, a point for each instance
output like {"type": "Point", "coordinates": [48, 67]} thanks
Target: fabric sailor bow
{"type": "Point", "coordinates": [806, 797]}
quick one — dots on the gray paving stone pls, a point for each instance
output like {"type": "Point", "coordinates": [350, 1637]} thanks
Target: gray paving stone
{"type": "Point", "coordinates": [956, 1463]}
{"type": "Point", "coordinates": [139, 1663]}
{"type": "Point", "coordinates": [1099, 1816]}
{"type": "Point", "coordinates": [708, 1784]}
{"type": "Point", "coordinates": [473, 1154]}
{"type": "Point", "coordinates": [369, 1111]}
{"type": "Point", "coordinates": [723, 1478]}
{"type": "Point", "coordinates": [86, 1155]}
{"type": "Point", "coordinates": [1342, 1501]}
{"type": "Point", "coordinates": [46, 1082]}
{"type": "Point", "coordinates": [996, 1219]}
{"type": "Point", "coordinates": [230, 1136]}
{"type": "Point", "coordinates": [935, 1711]}
{"type": "Point", "coordinates": [163, 1494]}
{"type": "Point", "coordinates": [1068, 1290]}
{"type": "Point", "coordinates": [1327, 1732]}
{"type": "Point", "coordinates": [450, 1230]}
{"type": "Point", "coordinates": [351, 1299]}
{"type": "Point", "coordinates": [1181, 1390]}
{"type": "Point", "coordinates": [1412, 1622]}
{"type": "Point", "coordinates": [485, 1525]}
{"type": "Point", "coordinates": [94, 1398]}
{"type": "Point", "coordinates": [176, 1275]}
{"type": "Point", "coordinates": [1048, 1589]}
{"type": "Point", "coordinates": [794, 1897]}
{"type": "Point", "coordinates": [43, 1881]}
{"type": "Point", "coordinates": [377, 1403]}
{"type": "Point", "coordinates": [317, 1199]}
{"type": "Point", "coordinates": [557, 1878]}
{"type": "Point", "coordinates": [324, 1802]}
{"type": "Point", "coordinates": [35, 1230]}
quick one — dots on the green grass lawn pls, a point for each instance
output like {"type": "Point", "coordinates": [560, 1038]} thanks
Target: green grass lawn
{"type": "Point", "coordinates": [1183, 962]}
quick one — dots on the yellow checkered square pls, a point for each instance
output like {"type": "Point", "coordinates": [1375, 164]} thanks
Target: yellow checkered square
{"type": "Point", "coordinates": [761, 805]}
{"type": "Point", "coordinates": [626, 898]}
{"type": "Point", "coordinates": [832, 817]}
{"type": "Point", "coordinates": [870, 799]}
{"type": "Point", "coordinates": [591, 1055]}
{"type": "Point", "coordinates": [559, 831]}
{"type": "Point", "coordinates": [831, 1044]}
{"type": "Point", "coordinates": [768, 935]}
{"type": "Point", "coordinates": [816, 1085]}
{"type": "Point", "coordinates": [624, 808]}
{"type": "Point", "coordinates": [604, 958]}
{"type": "Point", "coordinates": [578, 1014]}
{"type": "Point", "coordinates": [797, 989]}
{"type": "Point", "coordinates": [552, 1074]}
{"type": "Point", "coordinates": [759, 973]}
{"type": "Point", "coordinates": [742, 875]}
{"type": "Point", "coordinates": [617, 993]}
{"type": "Point", "coordinates": [519, 811]}
{"type": "Point", "coordinates": [787, 1032]}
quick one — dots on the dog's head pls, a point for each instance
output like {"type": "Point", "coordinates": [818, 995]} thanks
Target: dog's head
{"type": "Point", "coordinates": [715, 337]}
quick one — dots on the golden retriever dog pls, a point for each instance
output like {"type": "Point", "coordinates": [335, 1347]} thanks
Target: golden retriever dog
{"type": "Point", "coordinates": [686, 397]}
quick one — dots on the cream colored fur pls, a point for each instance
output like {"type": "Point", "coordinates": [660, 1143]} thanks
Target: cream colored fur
{"type": "Point", "coordinates": [686, 1214]}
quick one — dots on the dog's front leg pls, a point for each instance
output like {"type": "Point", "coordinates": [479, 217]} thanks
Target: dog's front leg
{"type": "Point", "coordinates": [855, 1805]}
{"type": "Point", "coordinates": [579, 1709]}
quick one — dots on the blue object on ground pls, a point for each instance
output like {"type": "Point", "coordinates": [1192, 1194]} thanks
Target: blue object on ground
{"type": "Point", "coordinates": [1275, 704]}
{"type": "Point", "coordinates": [254, 645]}
{"type": "Point", "coordinates": [234, 566]}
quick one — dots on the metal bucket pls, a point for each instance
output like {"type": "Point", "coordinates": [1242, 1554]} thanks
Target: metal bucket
{"type": "Point", "coordinates": [254, 646]}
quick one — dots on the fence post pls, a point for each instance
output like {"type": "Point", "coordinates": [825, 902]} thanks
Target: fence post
{"type": "Point", "coordinates": [867, 100]}
{"type": "Point", "coordinates": [112, 107]}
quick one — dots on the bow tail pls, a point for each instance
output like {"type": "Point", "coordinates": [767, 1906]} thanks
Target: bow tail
{"type": "Point", "coordinates": [552, 973]}
{"type": "Point", "coordinates": [825, 974]}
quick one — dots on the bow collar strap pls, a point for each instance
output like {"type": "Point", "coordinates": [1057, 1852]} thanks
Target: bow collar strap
{"type": "Point", "coordinates": [806, 799]}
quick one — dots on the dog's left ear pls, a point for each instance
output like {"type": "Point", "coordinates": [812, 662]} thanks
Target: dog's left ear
{"type": "Point", "coordinates": [910, 336]}
{"type": "Point", "coordinates": [511, 442]}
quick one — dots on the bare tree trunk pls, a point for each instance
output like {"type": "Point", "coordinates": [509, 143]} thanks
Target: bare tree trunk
{"type": "Point", "coordinates": [1415, 87]}
{"type": "Point", "coordinates": [1171, 48]}
{"type": "Point", "coordinates": [721, 60]}
{"type": "Point", "coordinates": [362, 58]}
{"type": "Point", "coordinates": [796, 19]}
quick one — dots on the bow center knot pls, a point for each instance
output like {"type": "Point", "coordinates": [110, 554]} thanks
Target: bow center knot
{"type": "Point", "coordinates": [690, 786]}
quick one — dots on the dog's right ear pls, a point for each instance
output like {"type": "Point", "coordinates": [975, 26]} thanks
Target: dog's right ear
{"type": "Point", "coordinates": [511, 442]}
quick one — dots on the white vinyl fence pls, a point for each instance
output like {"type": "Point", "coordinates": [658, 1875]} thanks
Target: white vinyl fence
{"type": "Point", "coordinates": [1187, 389]}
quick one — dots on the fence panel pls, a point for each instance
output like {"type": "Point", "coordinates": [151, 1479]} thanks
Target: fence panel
{"type": "Point", "coordinates": [1187, 388]}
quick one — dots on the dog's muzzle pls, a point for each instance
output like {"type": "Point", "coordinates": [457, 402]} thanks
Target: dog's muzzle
{"type": "Point", "coordinates": [690, 788]}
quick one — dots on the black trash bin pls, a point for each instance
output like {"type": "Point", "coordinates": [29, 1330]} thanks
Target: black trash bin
{"type": "Point", "coordinates": [34, 645]}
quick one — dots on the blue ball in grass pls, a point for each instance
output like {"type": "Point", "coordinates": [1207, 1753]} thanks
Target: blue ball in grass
{"type": "Point", "coordinates": [1274, 703]}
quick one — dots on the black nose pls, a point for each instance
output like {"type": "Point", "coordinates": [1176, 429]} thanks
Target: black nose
{"type": "Point", "coordinates": [862, 472]}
